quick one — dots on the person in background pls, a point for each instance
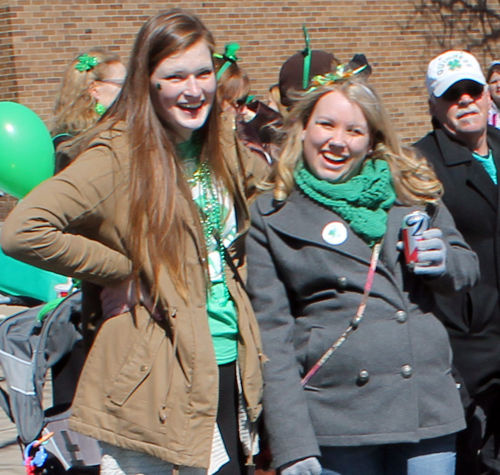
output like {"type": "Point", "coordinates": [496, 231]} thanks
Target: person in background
{"type": "Point", "coordinates": [153, 214]}
{"type": "Point", "coordinates": [233, 84]}
{"type": "Point", "coordinates": [493, 80]}
{"type": "Point", "coordinates": [359, 373]}
{"type": "Point", "coordinates": [242, 117]}
{"type": "Point", "coordinates": [91, 83]}
{"type": "Point", "coordinates": [465, 154]}
{"type": "Point", "coordinates": [274, 100]}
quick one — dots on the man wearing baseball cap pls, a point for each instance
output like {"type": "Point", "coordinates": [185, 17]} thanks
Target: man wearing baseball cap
{"type": "Point", "coordinates": [465, 154]}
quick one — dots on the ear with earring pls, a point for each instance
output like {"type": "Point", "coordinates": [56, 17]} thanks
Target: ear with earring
{"type": "Point", "coordinates": [99, 108]}
{"type": "Point", "coordinates": [369, 153]}
{"type": "Point", "coordinates": [158, 86]}
{"type": "Point", "coordinates": [94, 92]}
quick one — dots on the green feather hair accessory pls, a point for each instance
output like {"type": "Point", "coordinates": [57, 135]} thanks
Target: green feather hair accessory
{"type": "Point", "coordinates": [86, 63]}
{"type": "Point", "coordinates": [229, 56]}
{"type": "Point", "coordinates": [342, 73]}
{"type": "Point", "coordinates": [307, 59]}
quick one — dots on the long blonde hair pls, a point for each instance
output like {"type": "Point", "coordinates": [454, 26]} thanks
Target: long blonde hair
{"type": "Point", "coordinates": [414, 181]}
{"type": "Point", "coordinates": [74, 109]}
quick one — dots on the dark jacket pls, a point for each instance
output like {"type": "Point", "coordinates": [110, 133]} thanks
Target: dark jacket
{"type": "Point", "coordinates": [305, 292]}
{"type": "Point", "coordinates": [473, 317]}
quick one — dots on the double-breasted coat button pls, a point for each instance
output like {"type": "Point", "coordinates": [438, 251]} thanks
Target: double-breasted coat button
{"type": "Point", "coordinates": [406, 371]}
{"type": "Point", "coordinates": [401, 316]}
{"type": "Point", "coordinates": [144, 368]}
{"type": "Point", "coordinates": [342, 282]}
{"type": "Point", "coordinates": [363, 377]}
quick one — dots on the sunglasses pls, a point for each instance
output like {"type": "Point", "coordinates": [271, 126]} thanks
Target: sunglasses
{"type": "Point", "coordinates": [244, 100]}
{"type": "Point", "coordinates": [117, 82]}
{"type": "Point", "coordinates": [455, 92]}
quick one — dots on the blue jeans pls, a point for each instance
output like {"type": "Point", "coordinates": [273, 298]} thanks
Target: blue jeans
{"type": "Point", "coordinates": [427, 457]}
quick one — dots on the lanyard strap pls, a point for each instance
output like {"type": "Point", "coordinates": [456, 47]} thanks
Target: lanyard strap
{"type": "Point", "coordinates": [354, 322]}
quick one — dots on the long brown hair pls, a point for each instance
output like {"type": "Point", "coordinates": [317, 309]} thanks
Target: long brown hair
{"type": "Point", "coordinates": [74, 109]}
{"type": "Point", "coordinates": [157, 225]}
{"type": "Point", "coordinates": [414, 181]}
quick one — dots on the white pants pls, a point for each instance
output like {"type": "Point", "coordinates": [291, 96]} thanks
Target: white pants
{"type": "Point", "coordinates": [118, 461]}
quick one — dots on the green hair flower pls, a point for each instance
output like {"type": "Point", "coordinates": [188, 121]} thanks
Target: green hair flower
{"type": "Point", "coordinates": [86, 63]}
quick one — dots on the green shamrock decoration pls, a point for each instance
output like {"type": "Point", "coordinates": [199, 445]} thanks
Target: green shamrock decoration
{"type": "Point", "coordinates": [86, 63]}
{"type": "Point", "coordinates": [454, 64]}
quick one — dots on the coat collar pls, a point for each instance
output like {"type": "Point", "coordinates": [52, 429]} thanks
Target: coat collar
{"type": "Point", "coordinates": [455, 153]}
{"type": "Point", "coordinates": [304, 219]}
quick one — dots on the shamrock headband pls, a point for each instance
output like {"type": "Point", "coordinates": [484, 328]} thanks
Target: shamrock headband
{"type": "Point", "coordinates": [229, 56]}
{"type": "Point", "coordinates": [86, 63]}
{"type": "Point", "coordinates": [342, 73]}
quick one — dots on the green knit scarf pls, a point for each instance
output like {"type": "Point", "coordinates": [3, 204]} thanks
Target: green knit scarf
{"type": "Point", "coordinates": [363, 201]}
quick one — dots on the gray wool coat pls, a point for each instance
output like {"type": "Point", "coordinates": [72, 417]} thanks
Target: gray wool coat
{"type": "Point", "coordinates": [390, 381]}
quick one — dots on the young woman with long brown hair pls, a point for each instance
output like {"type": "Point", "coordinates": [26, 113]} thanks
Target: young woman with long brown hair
{"type": "Point", "coordinates": [154, 211]}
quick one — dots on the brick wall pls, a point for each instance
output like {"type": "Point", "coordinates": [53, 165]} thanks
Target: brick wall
{"type": "Point", "coordinates": [8, 78]}
{"type": "Point", "coordinates": [399, 37]}
{"type": "Point", "coordinates": [6, 204]}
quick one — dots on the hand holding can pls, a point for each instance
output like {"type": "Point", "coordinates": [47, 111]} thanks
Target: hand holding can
{"type": "Point", "coordinates": [431, 254]}
{"type": "Point", "coordinates": [413, 227]}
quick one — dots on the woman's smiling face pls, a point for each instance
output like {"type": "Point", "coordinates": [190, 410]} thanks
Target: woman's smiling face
{"type": "Point", "coordinates": [183, 88]}
{"type": "Point", "coordinates": [336, 139]}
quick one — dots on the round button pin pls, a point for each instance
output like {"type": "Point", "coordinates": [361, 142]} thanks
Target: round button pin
{"type": "Point", "coordinates": [334, 233]}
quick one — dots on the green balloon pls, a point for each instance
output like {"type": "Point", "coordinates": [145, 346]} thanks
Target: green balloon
{"type": "Point", "coordinates": [27, 154]}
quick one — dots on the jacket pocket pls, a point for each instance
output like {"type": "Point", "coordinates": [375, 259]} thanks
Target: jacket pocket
{"type": "Point", "coordinates": [138, 363]}
{"type": "Point", "coordinates": [313, 352]}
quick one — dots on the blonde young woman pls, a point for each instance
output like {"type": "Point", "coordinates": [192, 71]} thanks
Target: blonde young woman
{"type": "Point", "coordinates": [91, 83]}
{"type": "Point", "coordinates": [358, 379]}
{"type": "Point", "coordinates": [154, 212]}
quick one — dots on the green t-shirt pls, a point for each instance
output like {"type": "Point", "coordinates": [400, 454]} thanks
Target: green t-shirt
{"type": "Point", "coordinates": [489, 165]}
{"type": "Point", "coordinates": [221, 309]}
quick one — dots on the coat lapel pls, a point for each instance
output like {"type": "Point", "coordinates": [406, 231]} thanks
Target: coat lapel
{"type": "Point", "coordinates": [477, 177]}
{"type": "Point", "coordinates": [389, 254]}
{"type": "Point", "coordinates": [303, 219]}
{"type": "Point", "coordinates": [480, 180]}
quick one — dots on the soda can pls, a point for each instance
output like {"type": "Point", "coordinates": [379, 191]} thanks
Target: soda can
{"type": "Point", "coordinates": [63, 290]}
{"type": "Point", "coordinates": [414, 224]}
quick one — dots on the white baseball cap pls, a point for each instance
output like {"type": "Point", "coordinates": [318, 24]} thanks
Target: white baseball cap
{"type": "Point", "coordinates": [449, 68]}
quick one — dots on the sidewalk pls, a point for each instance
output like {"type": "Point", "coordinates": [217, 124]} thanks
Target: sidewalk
{"type": "Point", "coordinates": [11, 462]}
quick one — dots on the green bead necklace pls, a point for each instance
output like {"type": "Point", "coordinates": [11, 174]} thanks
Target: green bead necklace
{"type": "Point", "coordinates": [211, 219]}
